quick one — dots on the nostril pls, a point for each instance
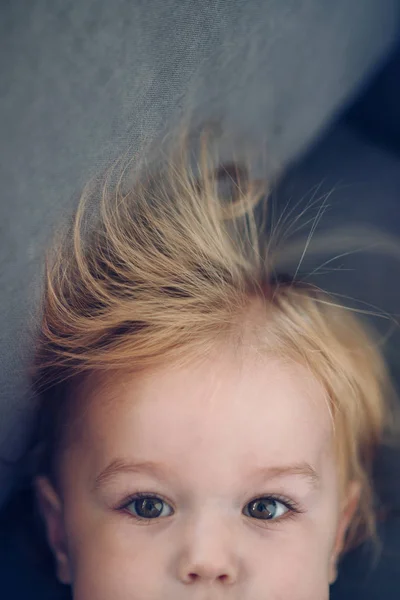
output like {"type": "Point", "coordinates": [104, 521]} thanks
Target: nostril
{"type": "Point", "coordinates": [194, 576]}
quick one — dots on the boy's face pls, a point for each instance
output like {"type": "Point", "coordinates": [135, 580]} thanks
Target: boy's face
{"type": "Point", "coordinates": [237, 463]}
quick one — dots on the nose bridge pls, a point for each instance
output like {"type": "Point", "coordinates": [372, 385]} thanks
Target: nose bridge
{"type": "Point", "coordinates": [208, 550]}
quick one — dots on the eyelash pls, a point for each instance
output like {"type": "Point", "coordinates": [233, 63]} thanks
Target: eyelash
{"type": "Point", "coordinates": [293, 508]}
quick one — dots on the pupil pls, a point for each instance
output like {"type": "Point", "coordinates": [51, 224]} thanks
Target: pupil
{"type": "Point", "coordinates": [150, 506]}
{"type": "Point", "coordinates": [264, 509]}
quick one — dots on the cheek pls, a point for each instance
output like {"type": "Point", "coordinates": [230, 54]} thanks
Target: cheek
{"type": "Point", "coordinates": [296, 566]}
{"type": "Point", "coordinates": [114, 561]}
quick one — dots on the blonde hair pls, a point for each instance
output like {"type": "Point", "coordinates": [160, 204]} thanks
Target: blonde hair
{"type": "Point", "coordinates": [163, 268]}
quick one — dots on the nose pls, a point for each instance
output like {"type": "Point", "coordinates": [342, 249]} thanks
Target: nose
{"type": "Point", "coordinates": [209, 555]}
{"type": "Point", "coordinates": [208, 573]}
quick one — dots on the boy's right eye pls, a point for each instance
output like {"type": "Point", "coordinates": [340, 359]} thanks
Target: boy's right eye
{"type": "Point", "coordinates": [146, 507]}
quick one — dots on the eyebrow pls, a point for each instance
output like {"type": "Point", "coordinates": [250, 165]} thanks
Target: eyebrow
{"type": "Point", "coordinates": [302, 469]}
{"type": "Point", "coordinates": [119, 466]}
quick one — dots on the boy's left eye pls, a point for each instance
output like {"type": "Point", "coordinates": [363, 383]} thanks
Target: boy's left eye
{"type": "Point", "coordinates": [266, 508]}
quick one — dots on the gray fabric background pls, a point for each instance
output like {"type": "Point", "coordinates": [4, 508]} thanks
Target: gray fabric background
{"type": "Point", "coordinates": [81, 79]}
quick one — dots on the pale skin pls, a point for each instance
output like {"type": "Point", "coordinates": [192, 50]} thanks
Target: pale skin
{"type": "Point", "coordinates": [237, 447]}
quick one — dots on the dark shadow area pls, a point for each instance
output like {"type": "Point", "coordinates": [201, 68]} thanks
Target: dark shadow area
{"type": "Point", "coordinates": [376, 113]}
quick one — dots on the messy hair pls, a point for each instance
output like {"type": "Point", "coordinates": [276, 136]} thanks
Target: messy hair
{"type": "Point", "coordinates": [160, 262]}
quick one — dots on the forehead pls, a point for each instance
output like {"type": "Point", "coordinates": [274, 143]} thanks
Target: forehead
{"type": "Point", "coordinates": [246, 409]}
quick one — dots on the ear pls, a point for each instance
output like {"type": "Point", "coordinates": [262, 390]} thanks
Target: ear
{"type": "Point", "coordinates": [50, 508]}
{"type": "Point", "coordinates": [347, 513]}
